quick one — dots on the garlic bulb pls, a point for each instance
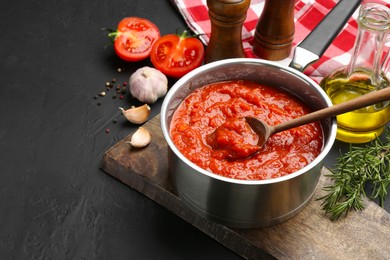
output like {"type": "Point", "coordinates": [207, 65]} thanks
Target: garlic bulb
{"type": "Point", "coordinates": [140, 138]}
{"type": "Point", "coordinates": [148, 84]}
{"type": "Point", "coordinates": [137, 115]}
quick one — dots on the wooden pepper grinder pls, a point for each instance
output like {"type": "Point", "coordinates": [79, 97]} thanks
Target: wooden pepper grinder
{"type": "Point", "coordinates": [227, 18]}
{"type": "Point", "coordinates": [275, 30]}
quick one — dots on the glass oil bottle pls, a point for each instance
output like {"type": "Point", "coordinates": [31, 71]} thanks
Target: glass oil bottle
{"type": "Point", "coordinates": [362, 75]}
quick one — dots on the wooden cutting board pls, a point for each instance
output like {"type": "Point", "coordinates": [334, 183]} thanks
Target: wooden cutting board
{"type": "Point", "coordinates": [308, 235]}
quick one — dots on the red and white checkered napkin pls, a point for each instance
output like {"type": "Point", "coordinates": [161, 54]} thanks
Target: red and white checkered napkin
{"type": "Point", "coordinates": [308, 13]}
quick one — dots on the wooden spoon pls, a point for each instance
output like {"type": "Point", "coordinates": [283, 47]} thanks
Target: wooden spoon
{"type": "Point", "coordinates": [264, 131]}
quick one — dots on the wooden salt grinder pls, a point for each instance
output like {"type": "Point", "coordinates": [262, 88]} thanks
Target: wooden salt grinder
{"type": "Point", "coordinates": [227, 18]}
{"type": "Point", "coordinates": [275, 30]}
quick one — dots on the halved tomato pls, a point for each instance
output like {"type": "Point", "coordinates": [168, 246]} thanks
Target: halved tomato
{"type": "Point", "coordinates": [134, 38]}
{"type": "Point", "coordinates": [176, 55]}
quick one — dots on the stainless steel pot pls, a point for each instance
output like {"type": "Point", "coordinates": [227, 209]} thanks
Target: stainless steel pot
{"type": "Point", "coordinates": [250, 204]}
{"type": "Point", "coordinates": [239, 203]}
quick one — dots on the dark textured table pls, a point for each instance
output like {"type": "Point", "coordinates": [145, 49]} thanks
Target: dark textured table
{"type": "Point", "coordinates": [55, 202]}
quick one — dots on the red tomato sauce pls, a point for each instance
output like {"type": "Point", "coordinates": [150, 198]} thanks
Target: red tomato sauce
{"type": "Point", "coordinates": [208, 128]}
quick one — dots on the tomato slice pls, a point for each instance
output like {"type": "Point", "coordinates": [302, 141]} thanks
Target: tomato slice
{"type": "Point", "coordinates": [134, 38]}
{"type": "Point", "coordinates": [176, 55]}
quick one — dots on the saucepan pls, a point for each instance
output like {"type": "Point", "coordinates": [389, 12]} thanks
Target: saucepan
{"type": "Point", "coordinates": [256, 203]}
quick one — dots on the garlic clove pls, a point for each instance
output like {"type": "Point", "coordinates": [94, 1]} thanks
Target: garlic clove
{"type": "Point", "coordinates": [137, 115]}
{"type": "Point", "coordinates": [140, 138]}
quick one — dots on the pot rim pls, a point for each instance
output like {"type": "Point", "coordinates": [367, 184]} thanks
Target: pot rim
{"type": "Point", "coordinates": [326, 147]}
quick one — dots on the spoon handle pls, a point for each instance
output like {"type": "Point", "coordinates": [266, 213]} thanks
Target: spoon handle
{"type": "Point", "coordinates": [353, 104]}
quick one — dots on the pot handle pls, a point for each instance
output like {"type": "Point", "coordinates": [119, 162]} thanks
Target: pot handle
{"type": "Point", "coordinates": [318, 40]}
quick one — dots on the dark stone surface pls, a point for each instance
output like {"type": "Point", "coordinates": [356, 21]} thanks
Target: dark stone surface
{"type": "Point", "coordinates": [55, 202]}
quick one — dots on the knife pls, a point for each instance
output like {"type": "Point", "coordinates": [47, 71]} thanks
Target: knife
{"type": "Point", "coordinates": [315, 44]}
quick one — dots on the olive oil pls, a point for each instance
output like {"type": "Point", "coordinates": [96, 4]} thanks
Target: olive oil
{"type": "Point", "coordinates": [362, 75]}
{"type": "Point", "coordinates": [362, 125]}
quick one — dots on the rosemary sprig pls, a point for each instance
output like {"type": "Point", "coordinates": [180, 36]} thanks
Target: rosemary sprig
{"type": "Point", "coordinates": [355, 169]}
